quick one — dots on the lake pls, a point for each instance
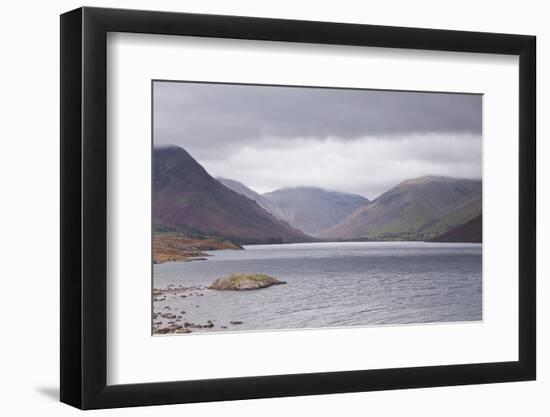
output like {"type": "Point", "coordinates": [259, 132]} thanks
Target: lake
{"type": "Point", "coordinates": [329, 285]}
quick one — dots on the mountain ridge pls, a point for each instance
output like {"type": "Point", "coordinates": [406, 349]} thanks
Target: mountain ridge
{"type": "Point", "coordinates": [240, 188]}
{"type": "Point", "coordinates": [186, 197]}
{"type": "Point", "coordinates": [415, 209]}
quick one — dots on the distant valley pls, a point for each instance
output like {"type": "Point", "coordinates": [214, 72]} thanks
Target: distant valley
{"type": "Point", "coordinates": [309, 209]}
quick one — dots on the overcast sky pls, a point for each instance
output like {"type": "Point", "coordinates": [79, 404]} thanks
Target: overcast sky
{"type": "Point", "coordinates": [360, 141]}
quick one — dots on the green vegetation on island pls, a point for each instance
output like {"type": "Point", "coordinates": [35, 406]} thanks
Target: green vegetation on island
{"type": "Point", "coordinates": [238, 282]}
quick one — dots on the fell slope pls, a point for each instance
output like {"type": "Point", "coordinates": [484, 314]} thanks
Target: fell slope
{"type": "Point", "coordinates": [188, 199]}
{"type": "Point", "coordinates": [416, 209]}
{"type": "Point", "coordinates": [469, 232]}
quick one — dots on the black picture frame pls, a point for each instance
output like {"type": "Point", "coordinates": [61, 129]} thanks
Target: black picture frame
{"type": "Point", "coordinates": [84, 207]}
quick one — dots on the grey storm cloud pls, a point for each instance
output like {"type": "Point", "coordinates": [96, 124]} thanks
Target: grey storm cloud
{"type": "Point", "coordinates": [236, 130]}
{"type": "Point", "coordinates": [211, 114]}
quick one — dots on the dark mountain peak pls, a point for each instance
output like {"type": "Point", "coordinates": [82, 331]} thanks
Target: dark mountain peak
{"type": "Point", "coordinates": [175, 168]}
{"type": "Point", "coordinates": [168, 147]}
{"type": "Point", "coordinates": [186, 196]}
{"type": "Point", "coordinates": [172, 154]}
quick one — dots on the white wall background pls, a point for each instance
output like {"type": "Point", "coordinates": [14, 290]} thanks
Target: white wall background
{"type": "Point", "coordinates": [29, 176]}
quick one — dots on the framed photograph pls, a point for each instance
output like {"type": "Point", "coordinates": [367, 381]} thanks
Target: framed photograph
{"type": "Point", "coordinates": [258, 207]}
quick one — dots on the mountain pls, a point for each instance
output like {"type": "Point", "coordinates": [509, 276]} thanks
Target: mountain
{"type": "Point", "coordinates": [469, 232]}
{"type": "Point", "coordinates": [187, 199]}
{"type": "Point", "coordinates": [415, 209]}
{"type": "Point", "coordinates": [313, 210]}
{"type": "Point", "coordinates": [240, 188]}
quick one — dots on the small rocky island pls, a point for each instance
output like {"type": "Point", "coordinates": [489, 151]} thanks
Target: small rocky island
{"type": "Point", "coordinates": [240, 282]}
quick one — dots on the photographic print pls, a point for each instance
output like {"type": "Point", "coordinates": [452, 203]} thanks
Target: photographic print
{"type": "Point", "coordinates": [293, 207]}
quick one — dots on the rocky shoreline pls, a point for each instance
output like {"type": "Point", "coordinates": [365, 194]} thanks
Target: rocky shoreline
{"type": "Point", "coordinates": [169, 316]}
{"type": "Point", "coordinates": [177, 247]}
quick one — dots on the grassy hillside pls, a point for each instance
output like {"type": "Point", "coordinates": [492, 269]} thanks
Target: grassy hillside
{"type": "Point", "coordinates": [416, 209]}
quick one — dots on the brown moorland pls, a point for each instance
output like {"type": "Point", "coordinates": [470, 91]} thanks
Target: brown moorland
{"type": "Point", "coordinates": [177, 247]}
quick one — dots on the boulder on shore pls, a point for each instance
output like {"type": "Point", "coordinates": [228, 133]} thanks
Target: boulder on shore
{"type": "Point", "coordinates": [238, 282]}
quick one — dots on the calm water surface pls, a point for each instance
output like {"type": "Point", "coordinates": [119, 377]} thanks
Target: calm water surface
{"type": "Point", "coordinates": [331, 285]}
